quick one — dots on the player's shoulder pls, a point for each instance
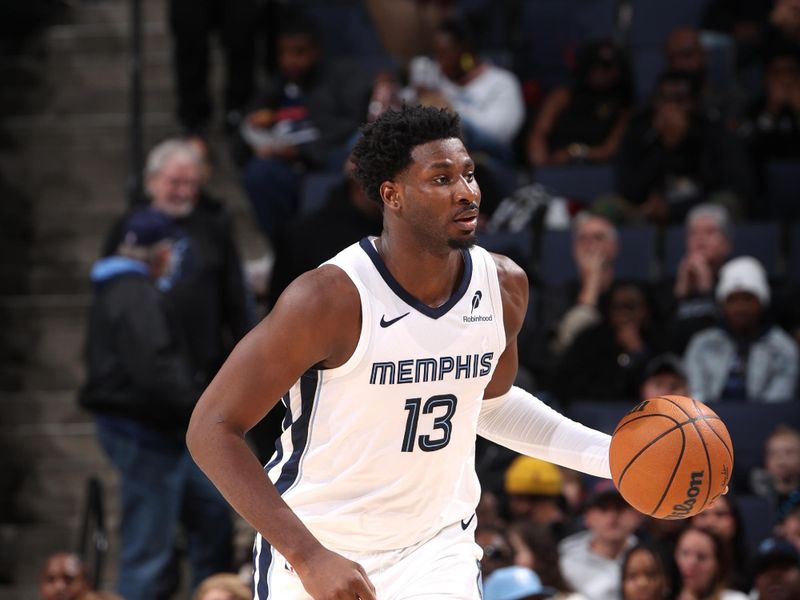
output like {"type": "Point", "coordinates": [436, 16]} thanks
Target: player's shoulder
{"type": "Point", "coordinates": [323, 294]}
{"type": "Point", "coordinates": [511, 276]}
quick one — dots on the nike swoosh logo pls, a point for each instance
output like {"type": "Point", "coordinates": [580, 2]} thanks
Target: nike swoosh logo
{"type": "Point", "coordinates": [465, 525]}
{"type": "Point", "coordinates": [385, 323]}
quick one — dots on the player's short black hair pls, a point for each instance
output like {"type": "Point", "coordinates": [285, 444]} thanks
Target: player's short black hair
{"type": "Point", "coordinates": [384, 149]}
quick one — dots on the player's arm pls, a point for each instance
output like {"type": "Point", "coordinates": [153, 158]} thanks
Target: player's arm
{"type": "Point", "coordinates": [514, 418]}
{"type": "Point", "coordinates": [316, 321]}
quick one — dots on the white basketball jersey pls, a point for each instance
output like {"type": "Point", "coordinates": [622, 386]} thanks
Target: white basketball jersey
{"type": "Point", "coordinates": [379, 453]}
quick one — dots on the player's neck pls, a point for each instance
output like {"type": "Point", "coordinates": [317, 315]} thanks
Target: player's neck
{"type": "Point", "coordinates": [431, 277]}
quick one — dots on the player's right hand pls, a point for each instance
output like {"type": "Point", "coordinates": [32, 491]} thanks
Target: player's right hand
{"type": "Point", "coordinates": [330, 576]}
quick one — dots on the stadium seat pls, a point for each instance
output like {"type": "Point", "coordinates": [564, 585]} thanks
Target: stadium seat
{"type": "Point", "coordinates": [315, 189]}
{"type": "Point", "coordinates": [346, 26]}
{"type": "Point", "coordinates": [749, 425]}
{"type": "Point", "coordinates": [547, 36]}
{"type": "Point", "coordinates": [602, 416]}
{"type": "Point", "coordinates": [596, 19]}
{"type": "Point", "coordinates": [577, 182]}
{"type": "Point", "coordinates": [760, 240]}
{"type": "Point", "coordinates": [647, 63]}
{"type": "Point", "coordinates": [636, 258]}
{"type": "Point", "coordinates": [758, 518]}
{"type": "Point", "coordinates": [654, 19]}
{"type": "Point", "coordinates": [518, 246]}
{"type": "Point", "coordinates": [783, 193]}
{"type": "Point", "coordinates": [637, 255]}
{"type": "Point", "coordinates": [794, 253]}
{"type": "Point", "coordinates": [556, 266]}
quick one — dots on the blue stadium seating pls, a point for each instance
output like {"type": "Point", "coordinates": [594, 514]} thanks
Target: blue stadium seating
{"type": "Point", "coordinates": [315, 189]}
{"type": "Point", "coordinates": [749, 425]}
{"type": "Point", "coordinates": [794, 253]}
{"type": "Point", "coordinates": [647, 63]}
{"type": "Point", "coordinates": [602, 416]}
{"type": "Point", "coordinates": [636, 259]}
{"type": "Point", "coordinates": [518, 246]}
{"type": "Point", "coordinates": [547, 34]}
{"type": "Point", "coordinates": [783, 192]}
{"type": "Point", "coordinates": [760, 240]}
{"type": "Point", "coordinates": [577, 182]}
{"type": "Point", "coordinates": [654, 19]}
{"type": "Point", "coordinates": [758, 518]}
{"type": "Point", "coordinates": [346, 26]}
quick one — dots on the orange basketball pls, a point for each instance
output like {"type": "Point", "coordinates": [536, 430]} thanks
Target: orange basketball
{"type": "Point", "coordinates": [671, 456]}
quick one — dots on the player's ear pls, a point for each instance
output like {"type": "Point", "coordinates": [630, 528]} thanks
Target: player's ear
{"type": "Point", "coordinates": [390, 194]}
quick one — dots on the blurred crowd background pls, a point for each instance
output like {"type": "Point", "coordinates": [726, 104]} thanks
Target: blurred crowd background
{"type": "Point", "coordinates": [640, 159]}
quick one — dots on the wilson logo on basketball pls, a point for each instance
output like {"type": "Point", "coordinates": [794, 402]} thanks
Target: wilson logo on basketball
{"type": "Point", "coordinates": [679, 511]}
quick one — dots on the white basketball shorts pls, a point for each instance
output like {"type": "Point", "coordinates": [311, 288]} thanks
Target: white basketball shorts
{"type": "Point", "coordinates": [444, 567]}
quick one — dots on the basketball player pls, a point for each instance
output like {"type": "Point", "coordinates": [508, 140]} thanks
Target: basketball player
{"type": "Point", "coordinates": [395, 353]}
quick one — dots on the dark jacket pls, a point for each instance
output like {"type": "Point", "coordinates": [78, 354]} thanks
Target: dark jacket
{"type": "Point", "coordinates": [336, 95]}
{"type": "Point", "coordinates": [207, 292]}
{"type": "Point", "coordinates": [136, 368]}
{"type": "Point", "coordinates": [710, 156]}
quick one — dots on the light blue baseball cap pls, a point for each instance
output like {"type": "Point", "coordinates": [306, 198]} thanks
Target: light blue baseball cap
{"type": "Point", "coordinates": [514, 583]}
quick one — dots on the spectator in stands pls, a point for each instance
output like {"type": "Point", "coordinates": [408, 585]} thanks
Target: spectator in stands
{"type": "Point", "coordinates": [673, 157]}
{"type": "Point", "coordinates": [487, 98]}
{"type": "Point", "coordinates": [664, 375]}
{"type": "Point", "coordinates": [745, 357]}
{"type": "Point", "coordinates": [497, 552]}
{"type": "Point", "coordinates": [709, 243]}
{"type": "Point", "coordinates": [643, 575]}
{"type": "Point", "coordinates": [515, 583]}
{"type": "Point", "coordinates": [533, 491]}
{"type": "Point", "coordinates": [725, 519]}
{"type": "Point", "coordinates": [744, 20]}
{"type": "Point", "coordinates": [594, 250]}
{"type": "Point", "coordinates": [781, 476]}
{"type": "Point", "coordinates": [591, 560]}
{"type": "Point", "coordinates": [64, 578]}
{"type": "Point", "coordinates": [683, 51]}
{"type": "Point", "coordinates": [303, 121]}
{"type": "Point", "coordinates": [585, 122]}
{"type": "Point", "coordinates": [776, 571]}
{"type": "Point", "coordinates": [141, 388]}
{"type": "Point", "coordinates": [782, 30]}
{"type": "Point", "coordinates": [192, 23]}
{"type": "Point", "coordinates": [346, 217]}
{"type": "Point", "coordinates": [771, 125]}
{"type": "Point", "coordinates": [206, 287]}
{"type": "Point", "coordinates": [703, 566]}
{"type": "Point", "coordinates": [788, 527]}
{"type": "Point", "coordinates": [223, 586]}
{"type": "Point", "coordinates": [535, 548]}
{"type": "Point", "coordinates": [606, 361]}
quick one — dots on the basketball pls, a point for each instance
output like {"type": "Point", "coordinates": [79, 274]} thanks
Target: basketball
{"type": "Point", "coordinates": [671, 457]}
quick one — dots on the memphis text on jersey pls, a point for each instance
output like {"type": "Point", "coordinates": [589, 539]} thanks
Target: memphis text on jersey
{"type": "Point", "coordinates": [422, 370]}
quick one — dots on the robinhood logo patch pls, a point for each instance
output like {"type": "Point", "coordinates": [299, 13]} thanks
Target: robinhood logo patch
{"type": "Point", "coordinates": [473, 318]}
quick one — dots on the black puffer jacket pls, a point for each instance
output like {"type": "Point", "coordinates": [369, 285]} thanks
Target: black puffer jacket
{"type": "Point", "coordinates": [136, 368]}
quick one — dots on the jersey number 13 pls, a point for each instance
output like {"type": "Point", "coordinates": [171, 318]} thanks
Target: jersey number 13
{"type": "Point", "coordinates": [446, 405]}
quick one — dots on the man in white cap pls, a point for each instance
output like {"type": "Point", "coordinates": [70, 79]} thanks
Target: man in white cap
{"type": "Point", "coordinates": [745, 357]}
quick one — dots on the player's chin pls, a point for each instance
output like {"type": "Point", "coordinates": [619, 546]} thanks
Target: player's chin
{"type": "Point", "coordinates": [462, 242]}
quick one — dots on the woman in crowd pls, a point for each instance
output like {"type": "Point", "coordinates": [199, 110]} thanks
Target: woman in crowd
{"type": "Point", "coordinates": [704, 567]}
{"type": "Point", "coordinates": [607, 360]}
{"type": "Point", "coordinates": [585, 122]}
{"type": "Point", "coordinates": [643, 575]}
{"type": "Point", "coordinates": [724, 519]}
